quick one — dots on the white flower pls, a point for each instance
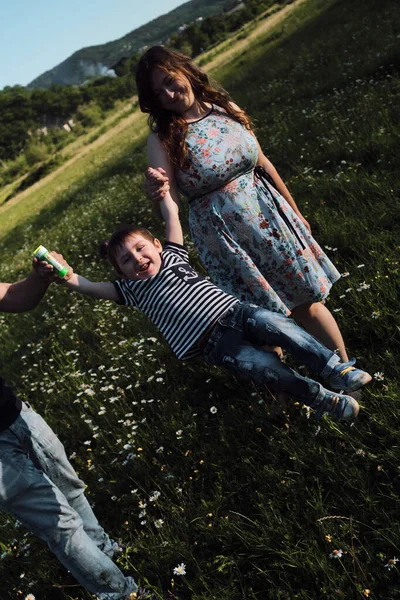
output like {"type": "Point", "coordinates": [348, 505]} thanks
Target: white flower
{"type": "Point", "coordinates": [213, 410]}
{"type": "Point", "coordinates": [336, 554]}
{"type": "Point", "coordinates": [391, 563]}
{"type": "Point", "coordinates": [159, 523]}
{"type": "Point", "coordinates": [30, 597]}
{"type": "Point", "coordinates": [155, 495]}
{"type": "Point", "coordinates": [160, 449]}
{"type": "Point", "coordinates": [378, 376]}
{"type": "Point", "coordinates": [180, 569]}
{"type": "Point", "coordinates": [179, 433]}
{"type": "Point", "coordinates": [374, 314]}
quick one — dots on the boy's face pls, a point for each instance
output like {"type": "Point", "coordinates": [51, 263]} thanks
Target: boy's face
{"type": "Point", "coordinates": [139, 258]}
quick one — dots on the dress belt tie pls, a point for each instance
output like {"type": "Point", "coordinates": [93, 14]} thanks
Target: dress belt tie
{"type": "Point", "coordinates": [265, 178]}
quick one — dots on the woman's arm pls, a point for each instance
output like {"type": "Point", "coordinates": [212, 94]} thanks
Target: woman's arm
{"type": "Point", "coordinates": [101, 290]}
{"type": "Point", "coordinates": [160, 176]}
{"type": "Point", "coordinates": [280, 186]}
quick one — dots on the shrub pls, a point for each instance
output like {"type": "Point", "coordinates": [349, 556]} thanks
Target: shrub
{"type": "Point", "coordinates": [90, 115]}
{"type": "Point", "coordinates": [36, 152]}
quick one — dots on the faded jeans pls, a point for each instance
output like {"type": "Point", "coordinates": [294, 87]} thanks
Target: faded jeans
{"type": "Point", "coordinates": [236, 344]}
{"type": "Point", "coordinates": [39, 487]}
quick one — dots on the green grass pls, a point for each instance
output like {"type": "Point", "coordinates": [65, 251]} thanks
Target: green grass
{"type": "Point", "coordinates": [255, 497]}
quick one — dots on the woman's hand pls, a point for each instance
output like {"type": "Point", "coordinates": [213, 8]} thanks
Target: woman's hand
{"type": "Point", "coordinates": [156, 184]}
{"type": "Point", "coordinates": [304, 221]}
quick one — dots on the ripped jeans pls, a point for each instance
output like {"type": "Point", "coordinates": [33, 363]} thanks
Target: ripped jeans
{"type": "Point", "coordinates": [236, 345]}
{"type": "Point", "coordinates": [39, 486]}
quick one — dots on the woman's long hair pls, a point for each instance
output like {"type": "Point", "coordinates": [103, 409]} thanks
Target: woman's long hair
{"type": "Point", "coordinates": [170, 127]}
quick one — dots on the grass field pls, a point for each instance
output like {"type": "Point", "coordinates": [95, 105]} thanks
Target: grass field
{"type": "Point", "coordinates": [255, 498]}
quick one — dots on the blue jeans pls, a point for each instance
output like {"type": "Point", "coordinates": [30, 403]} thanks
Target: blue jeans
{"type": "Point", "coordinates": [39, 487]}
{"type": "Point", "coordinates": [236, 344]}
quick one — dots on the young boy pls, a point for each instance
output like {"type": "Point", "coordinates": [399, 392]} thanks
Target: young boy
{"type": "Point", "coordinates": [197, 318]}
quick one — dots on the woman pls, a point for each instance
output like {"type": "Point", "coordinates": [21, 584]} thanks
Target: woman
{"type": "Point", "coordinates": [250, 235]}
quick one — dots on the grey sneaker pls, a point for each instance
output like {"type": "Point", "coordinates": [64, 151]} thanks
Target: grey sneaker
{"type": "Point", "coordinates": [126, 595]}
{"type": "Point", "coordinates": [337, 406]}
{"type": "Point", "coordinates": [346, 377]}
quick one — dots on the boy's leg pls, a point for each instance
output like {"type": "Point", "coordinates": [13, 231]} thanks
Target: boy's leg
{"type": "Point", "coordinates": [238, 355]}
{"type": "Point", "coordinates": [261, 326]}
{"type": "Point", "coordinates": [27, 493]}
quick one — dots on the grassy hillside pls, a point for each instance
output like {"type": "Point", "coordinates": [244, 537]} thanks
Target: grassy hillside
{"type": "Point", "coordinates": [256, 498]}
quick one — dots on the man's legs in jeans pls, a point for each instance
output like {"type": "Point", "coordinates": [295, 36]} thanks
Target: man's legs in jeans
{"type": "Point", "coordinates": [51, 458]}
{"type": "Point", "coordinates": [246, 328]}
{"type": "Point", "coordinates": [28, 450]}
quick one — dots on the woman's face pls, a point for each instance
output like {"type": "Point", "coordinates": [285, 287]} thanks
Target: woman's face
{"type": "Point", "coordinates": [172, 90]}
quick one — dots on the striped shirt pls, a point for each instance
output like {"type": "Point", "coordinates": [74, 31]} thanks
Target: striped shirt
{"type": "Point", "coordinates": [179, 301]}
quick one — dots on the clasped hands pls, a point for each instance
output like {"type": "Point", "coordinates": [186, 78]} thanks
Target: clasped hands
{"type": "Point", "coordinates": [156, 184]}
{"type": "Point", "coordinates": [46, 272]}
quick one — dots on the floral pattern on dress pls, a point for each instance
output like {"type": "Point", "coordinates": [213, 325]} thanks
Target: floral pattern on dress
{"type": "Point", "coordinates": [244, 243]}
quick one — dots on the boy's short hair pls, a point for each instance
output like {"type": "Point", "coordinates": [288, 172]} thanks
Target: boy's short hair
{"type": "Point", "coordinates": [110, 248]}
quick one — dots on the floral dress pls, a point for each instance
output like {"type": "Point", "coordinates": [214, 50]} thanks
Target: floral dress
{"type": "Point", "coordinates": [249, 239]}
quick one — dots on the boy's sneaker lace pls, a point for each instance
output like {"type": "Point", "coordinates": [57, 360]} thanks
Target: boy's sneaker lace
{"type": "Point", "coordinates": [346, 377]}
{"type": "Point", "coordinates": [336, 405]}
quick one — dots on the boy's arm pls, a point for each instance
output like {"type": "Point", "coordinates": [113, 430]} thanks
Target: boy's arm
{"type": "Point", "coordinates": [101, 290]}
{"type": "Point", "coordinates": [170, 214]}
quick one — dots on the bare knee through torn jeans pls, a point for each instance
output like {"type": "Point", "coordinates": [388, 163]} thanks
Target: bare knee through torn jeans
{"type": "Point", "coordinates": [39, 486]}
{"type": "Point", "coordinates": [236, 344]}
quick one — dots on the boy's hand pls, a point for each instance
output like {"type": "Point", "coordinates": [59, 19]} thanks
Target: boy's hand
{"type": "Point", "coordinates": [156, 184]}
{"type": "Point", "coordinates": [46, 271]}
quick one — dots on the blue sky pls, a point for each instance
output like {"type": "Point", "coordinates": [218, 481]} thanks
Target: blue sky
{"type": "Point", "coordinates": [36, 35]}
